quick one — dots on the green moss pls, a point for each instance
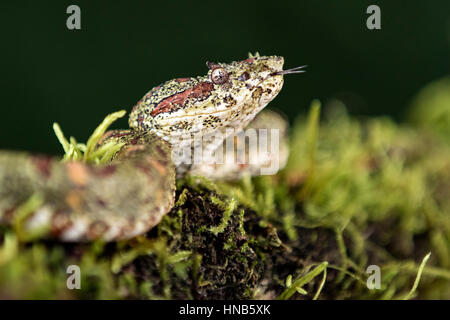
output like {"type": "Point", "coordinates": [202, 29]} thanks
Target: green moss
{"type": "Point", "coordinates": [227, 209]}
{"type": "Point", "coordinates": [89, 152]}
{"type": "Point", "coordinates": [430, 109]}
{"type": "Point", "coordinates": [297, 284]}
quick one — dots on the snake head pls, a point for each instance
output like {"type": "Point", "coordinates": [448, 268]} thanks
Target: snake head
{"type": "Point", "coordinates": [252, 82]}
{"type": "Point", "coordinates": [229, 95]}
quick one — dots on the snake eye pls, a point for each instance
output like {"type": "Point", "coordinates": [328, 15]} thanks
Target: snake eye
{"type": "Point", "coordinates": [245, 76]}
{"type": "Point", "coordinates": [219, 75]}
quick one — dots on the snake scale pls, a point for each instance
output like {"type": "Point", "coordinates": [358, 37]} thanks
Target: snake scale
{"type": "Point", "coordinates": [130, 195]}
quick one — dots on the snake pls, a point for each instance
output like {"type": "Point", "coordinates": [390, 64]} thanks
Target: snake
{"type": "Point", "coordinates": [129, 195]}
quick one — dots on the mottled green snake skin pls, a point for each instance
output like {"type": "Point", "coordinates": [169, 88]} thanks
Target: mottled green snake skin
{"type": "Point", "coordinates": [82, 202]}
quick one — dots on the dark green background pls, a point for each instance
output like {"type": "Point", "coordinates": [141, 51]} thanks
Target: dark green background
{"type": "Point", "coordinates": [124, 48]}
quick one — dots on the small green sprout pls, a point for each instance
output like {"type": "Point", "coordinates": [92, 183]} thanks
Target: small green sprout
{"type": "Point", "coordinates": [297, 284]}
{"type": "Point", "coordinates": [89, 152]}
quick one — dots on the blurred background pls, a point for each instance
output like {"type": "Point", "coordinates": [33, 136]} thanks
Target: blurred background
{"type": "Point", "coordinates": [124, 48]}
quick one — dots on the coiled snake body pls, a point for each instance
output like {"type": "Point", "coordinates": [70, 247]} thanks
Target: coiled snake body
{"type": "Point", "coordinates": [129, 196]}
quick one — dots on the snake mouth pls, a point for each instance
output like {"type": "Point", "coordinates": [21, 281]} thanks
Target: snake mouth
{"type": "Point", "coordinates": [289, 71]}
{"type": "Point", "coordinates": [195, 115]}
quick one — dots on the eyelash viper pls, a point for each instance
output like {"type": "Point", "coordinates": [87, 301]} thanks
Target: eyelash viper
{"type": "Point", "coordinates": [83, 202]}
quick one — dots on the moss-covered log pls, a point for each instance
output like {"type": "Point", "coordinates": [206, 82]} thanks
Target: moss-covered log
{"type": "Point", "coordinates": [355, 193]}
